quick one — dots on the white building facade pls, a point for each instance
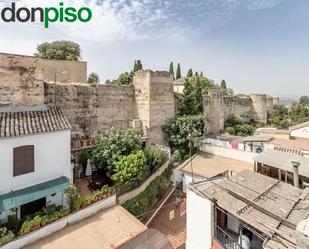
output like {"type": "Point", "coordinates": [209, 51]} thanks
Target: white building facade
{"type": "Point", "coordinates": [35, 159]}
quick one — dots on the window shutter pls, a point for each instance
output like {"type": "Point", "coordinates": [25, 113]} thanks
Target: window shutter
{"type": "Point", "coordinates": [23, 160]}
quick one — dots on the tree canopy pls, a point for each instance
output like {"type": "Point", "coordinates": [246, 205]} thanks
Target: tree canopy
{"type": "Point", "coordinates": [178, 72]}
{"type": "Point", "coordinates": [191, 102]}
{"type": "Point", "coordinates": [93, 78]}
{"type": "Point", "coordinates": [115, 143]}
{"type": "Point", "coordinates": [129, 169]}
{"type": "Point", "coordinates": [59, 50]}
{"type": "Point", "coordinates": [171, 70]}
{"type": "Point", "coordinates": [304, 100]}
{"type": "Point", "coordinates": [137, 66]}
{"type": "Point", "coordinates": [190, 73]}
{"type": "Point", "coordinates": [177, 130]}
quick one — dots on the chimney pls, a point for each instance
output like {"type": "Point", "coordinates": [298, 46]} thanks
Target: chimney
{"type": "Point", "coordinates": [296, 173]}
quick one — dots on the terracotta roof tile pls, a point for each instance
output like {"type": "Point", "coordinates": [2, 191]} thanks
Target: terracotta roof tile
{"type": "Point", "coordinates": [27, 122]}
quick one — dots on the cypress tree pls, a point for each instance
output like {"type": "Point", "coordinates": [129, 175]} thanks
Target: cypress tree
{"type": "Point", "coordinates": [196, 73]}
{"type": "Point", "coordinates": [223, 85]}
{"type": "Point", "coordinates": [137, 66]}
{"type": "Point", "coordinates": [190, 73]}
{"type": "Point", "coordinates": [171, 70]}
{"type": "Point", "coordinates": [202, 75]}
{"type": "Point", "coordinates": [178, 72]}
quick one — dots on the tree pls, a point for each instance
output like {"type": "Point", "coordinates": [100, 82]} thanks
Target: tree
{"type": "Point", "coordinates": [59, 50]}
{"type": "Point", "coordinates": [191, 101]}
{"type": "Point", "coordinates": [298, 114]}
{"type": "Point", "coordinates": [190, 73]}
{"type": "Point", "coordinates": [233, 120]}
{"type": "Point", "coordinates": [178, 72]}
{"type": "Point", "coordinates": [115, 143]}
{"type": "Point", "coordinates": [201, 74]}
{"type": "Point", "coordinates": [129, 169]}
{"type": "Point", "coordinates": [171, 70]}
{"type": "Point", "coordinates": [93, 78]}
{"type": "Point", "coordinates": [137, 66]}
{"type": "Point", "coordinates": [223, 85]}
{"type": "Point", "coordinates": [304, 100]}
{"type": "Point", "coordinates": [125, 78]}
{"type": "Point", "coordinates": [177, 129]}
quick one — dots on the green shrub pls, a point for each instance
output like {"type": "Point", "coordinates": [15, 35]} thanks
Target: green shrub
{"type": "Point", "coordinates": [155, 158]}
{"type": "Point", "coordinates": [108, 149]}
{"type": "Point", "coordinates": [30, 225]}
{"type": "Point", "coordinates": [5, 235]}
{"type": "Point", "coordinates": [143, 203]}
{"type": "Point", "coordinates": [129, 169]}
{"type": "Point", "coordinates": [12, 223]}
{"type": "Point", "coordinates": [230, 130]}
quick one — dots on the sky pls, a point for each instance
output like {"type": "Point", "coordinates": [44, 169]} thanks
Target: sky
{"type": "Point", "coordinates": [257, 46]}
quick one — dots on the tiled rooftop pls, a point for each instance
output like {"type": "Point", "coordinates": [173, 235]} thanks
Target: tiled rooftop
{"type": "Point", "coordinates": [16, 122]}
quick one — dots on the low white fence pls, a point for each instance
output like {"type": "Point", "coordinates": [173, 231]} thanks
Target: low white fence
{"type": "Point", "coordinates": [51, 228]}
{"type": "Point", "coordinates": [135, 192]}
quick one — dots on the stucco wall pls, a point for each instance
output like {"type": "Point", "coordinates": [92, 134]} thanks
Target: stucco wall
{"type": "Point", "coordinates": [64, 71]}
{"type": "Point", "coordinates": [240, 155]}
{"type": "Point", "coordinates": [199, 221]}
{"type": "Point", "coordinates": [52, 160]}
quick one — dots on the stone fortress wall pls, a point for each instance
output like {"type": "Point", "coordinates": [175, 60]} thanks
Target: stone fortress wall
{"type": "Point", "coordinates": [249, 107]}
{"type": "Point", "coordinates": [93, 109]}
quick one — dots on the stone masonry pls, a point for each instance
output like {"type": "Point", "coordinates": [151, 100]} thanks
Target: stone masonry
{"type": "Point", "coordinates": [93, 109]}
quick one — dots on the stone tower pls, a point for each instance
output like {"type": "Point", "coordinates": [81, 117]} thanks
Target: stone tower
{"type": "Point", "coordinates": [155, 103]}
{"type": "Point", "coordinates": [214, 110]}
{"type": "Point", "coordinates": [259, 107]}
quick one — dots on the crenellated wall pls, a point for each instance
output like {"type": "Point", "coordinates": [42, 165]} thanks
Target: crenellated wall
{"type": "Point", "coordinates": [93, 109]}
{"type": "Point", "coordinates": [249, 107]}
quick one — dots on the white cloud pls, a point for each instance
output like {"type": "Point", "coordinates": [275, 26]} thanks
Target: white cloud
{"type": "Point", "coordinates": [132, 20]}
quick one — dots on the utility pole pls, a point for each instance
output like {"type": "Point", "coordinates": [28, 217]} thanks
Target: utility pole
{"type": "Point", "coordinates": [190, 155]}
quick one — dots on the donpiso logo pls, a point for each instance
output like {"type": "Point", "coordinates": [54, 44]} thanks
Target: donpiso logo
{"type": "Point", "coordinates": [47, 15]}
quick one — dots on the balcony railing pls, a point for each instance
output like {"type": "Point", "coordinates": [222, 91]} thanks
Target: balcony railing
{"type": "Point", "coordinates": [226, 240]}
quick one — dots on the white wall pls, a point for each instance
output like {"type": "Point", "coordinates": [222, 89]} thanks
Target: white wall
{"type": "Point", "coordinates": [240, 155]}
{"type": "Point", "coordinates": [187, 179]}
{"type": "Point", "coordinates": [60, 224]}
{"type": "Point", "coordinates": [52, 159]}
{"type": "Point", "coordinates": [199, 222]}
{"type": "Point", "coordinates": [303, 132]}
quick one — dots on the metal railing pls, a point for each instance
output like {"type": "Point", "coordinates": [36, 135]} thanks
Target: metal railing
{"type": "Point", "coordinates": [226, 240]}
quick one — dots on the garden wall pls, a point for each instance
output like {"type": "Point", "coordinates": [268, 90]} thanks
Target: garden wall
{"type": "Point", "coordinates": [60, 224]}
{"type": "Point", "coordinates": [240, 155]}
{"type": "Point", "coordinates": [135, 192]}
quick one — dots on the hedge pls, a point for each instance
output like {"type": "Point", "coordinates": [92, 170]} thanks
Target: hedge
{"type": "Point", "coordinates": [144, 202]}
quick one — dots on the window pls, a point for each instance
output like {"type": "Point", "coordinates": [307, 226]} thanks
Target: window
{"type": "Point", "coordinates": [23, 160]}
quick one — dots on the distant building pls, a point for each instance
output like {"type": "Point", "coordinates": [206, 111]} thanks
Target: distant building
{"type": "Point", "coordinates": [300, 130]}
{"type": "Point", "coordinates": [204, 166]}
{"type": "Point", "coordinates": [249, 211]}
{"type": "Point", "coordinates": [284, 166]}
{"type": "Point", "coordinates": [35, 159]}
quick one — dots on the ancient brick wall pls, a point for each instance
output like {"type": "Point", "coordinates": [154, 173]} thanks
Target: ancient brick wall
{"type": "Point", "coordinates": [21, 80]}
{"type": "Point", "coordinates": [90, 109]}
